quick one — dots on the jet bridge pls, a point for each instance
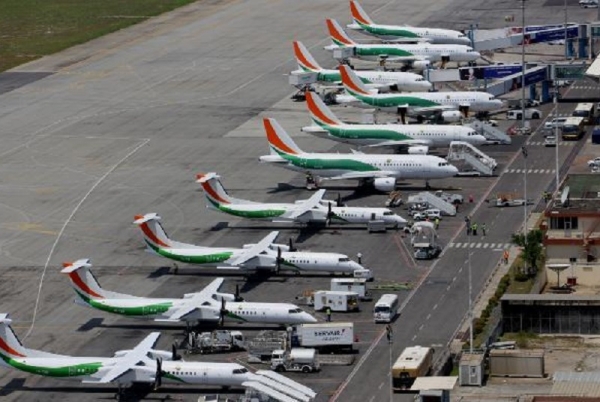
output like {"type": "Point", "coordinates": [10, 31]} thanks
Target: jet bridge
{"type": "Point", "coordinates": [463, 151]}
{"type": "Point", "coordinates": [488, 131]}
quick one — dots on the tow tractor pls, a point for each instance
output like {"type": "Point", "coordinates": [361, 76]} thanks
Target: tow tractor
{"type": "Point", "coordinates": [510, 200]}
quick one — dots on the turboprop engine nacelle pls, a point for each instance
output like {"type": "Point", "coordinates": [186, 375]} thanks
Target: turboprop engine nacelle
{"type": "Point", "coordinates": [451, 116]}
{"type": "Point", "coordinates": [420, 64]}
{"type": "Point", "coordinates": [418, 150]}
{"type": "Point", "coordinates": [384, 184]}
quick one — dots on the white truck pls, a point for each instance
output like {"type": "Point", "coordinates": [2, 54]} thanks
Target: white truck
{"type": "Point", "coordinates": [449, 197]}
{"type": "Point", "coordinates": [296, 359]}
{"type": "Point", "coordinates": [215, 341]}
{"type": "Point", "coordinates": [335, 300]}
{"type": "Point", "coordinates": [357, 285]}
{"type": "Point", "coordinates": [324, 336]}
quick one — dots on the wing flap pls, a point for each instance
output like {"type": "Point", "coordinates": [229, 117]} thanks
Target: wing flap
{"type": "Point", "coordinates": [255, 250]}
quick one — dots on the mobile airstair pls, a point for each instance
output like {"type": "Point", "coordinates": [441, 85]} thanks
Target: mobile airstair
{"type": "Point", "coordinates": [279, 388]}
{"type": "Point", "coordinates": [489, 132]}
{"type": "Point", "coordinates": [463, 151]}
{"type": "Point", "coordinates": [434, 202]}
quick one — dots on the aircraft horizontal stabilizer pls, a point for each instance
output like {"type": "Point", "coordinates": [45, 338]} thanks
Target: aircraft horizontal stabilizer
{"type": "Point", "coordinates": [313, 129]}
{"type": "Point", "coordinates": [204, 177]}
{"type": "Point", "coordinates": [74, 266]}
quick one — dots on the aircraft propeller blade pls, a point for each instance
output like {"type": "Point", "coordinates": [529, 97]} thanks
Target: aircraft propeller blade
{"type": "Point", "coordinates": [174, 355]}
{"type": "Point", "coordinates": [222, 313]}
{"type": "Point", "coordinates": [339, 200]}
{"type": "Point", "coordinates": [292, 248]}
{"type": "Point", "coordinates": [278, 260]}
{"type": "Point", "coordinates": [158, 375]}
{"type": "Point", "coordinates": [237, 297]}
{"type": "Point", "coordinates": [329, 215]}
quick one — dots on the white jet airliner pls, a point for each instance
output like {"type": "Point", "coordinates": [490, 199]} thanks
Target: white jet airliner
{"type": "Point", "coordinates": [382, 80]}
{"type": "Point", "coordinates": [379, 170]}
{"type": "Point", "coordinates": [208, 305]}
{"type": "Point", "coordinates": [403, 33]}
{"type": "Point", "coordinates": [315, 210]}
{"type": "Point", "coordinates": [411, 138]}
{"type": "Point", "coordinates": [418, 55]}
{"type": "Point", "coordinates": [263, 255]}
{"type": "Point", "coordinates": [142, 364]}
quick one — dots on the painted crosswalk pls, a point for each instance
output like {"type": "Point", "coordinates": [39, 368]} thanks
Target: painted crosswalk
{"type": "Point", "coordinates": [481, 245]}
{"type": "Point", "coordinates": [530, 171]}
{"type": "Point", "coordinates": [562, 143]}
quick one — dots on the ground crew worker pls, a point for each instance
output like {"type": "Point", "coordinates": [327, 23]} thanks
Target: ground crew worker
{"type": "Point", "coordinates": [505, 257]}
{"type": "Point", "coordinates": [328, 312]}
{"type": "Point", "coordinates": [474, 228]}
{"type": "Point", "coordinates": [483, 229]}
{"type": "Point", "coordinates": [471, 198]}
{"type": "Point", "coordinates": [437, 223]}
{"type": "Point", "coordinates": [389, 332]}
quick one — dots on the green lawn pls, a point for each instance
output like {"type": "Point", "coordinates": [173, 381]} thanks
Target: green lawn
{"type": "Point", "coordinates": [31, 29]}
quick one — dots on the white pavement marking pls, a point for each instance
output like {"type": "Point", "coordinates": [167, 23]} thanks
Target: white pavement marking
{"type": "Point", "coordinates": [478, 245]}
{"type": "Point", "coordinates": [436, 306]}
{"type": "Point", "coordinates": [62, 229]}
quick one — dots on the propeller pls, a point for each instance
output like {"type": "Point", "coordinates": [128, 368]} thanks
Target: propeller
{"type": "Point", "coordinates": [292, 248]}
{"type": "Point", "coordinates": [237, 296]}
{"type": "Point", "coordinates": [278, 260]}
{"type": "Point", "coordinates": [158, 375]}
{"type": "Point", "coordinates": [222, 313]}
{"type": "Point", "coordinates": [338, 202]}
{"type": "Point", "coordinates": [329, 215]}
{"type": "Point", "coordinates": [174, 355]}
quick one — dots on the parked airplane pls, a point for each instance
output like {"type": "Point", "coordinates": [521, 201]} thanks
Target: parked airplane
{"type": "Point", "coordinates": [418, 103]}
{"type": "Point", "coordinates": [263, 255]}
{"type": "Point", "coordinates": [379, 170]}
{"type": "Point", "coordinates": [206, 305]}
{"type": "Point", "coordinates": [410, 138]}
{"type": "Point", "coordinates": [142, 364]}
{"type": "Point", "coordinates": [382, 80]}
{"type": "Point", "coordinates": [315, 210]}
{"type": "Point", "coordinates": [418, 56]}
{"type": "Point", "coordinates": [403, 33]}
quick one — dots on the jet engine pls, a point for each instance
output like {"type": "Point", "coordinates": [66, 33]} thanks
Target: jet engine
{"type": "Point", "coordinates": [418, 150]}
{"type": "Point", "coordinates": [384, 184]}
{"type": "Point", "coordinates": [420, 64]}
{"type": "Point", "coordinates": [451, 116]}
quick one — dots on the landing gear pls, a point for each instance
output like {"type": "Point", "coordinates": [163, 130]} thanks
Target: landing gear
{"type": "Point", "coordinates": [311, 182]}
{"type": "Point", "coordinates": [120, 392]}
{"type": "Point", "coordinates": [427, 186]}
{"type": "Point", "coordinates": [175, 269]}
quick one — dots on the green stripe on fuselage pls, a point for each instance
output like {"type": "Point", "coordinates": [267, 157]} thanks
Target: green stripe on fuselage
{"type": "Point", "coordinates": [75, 370]}
{"type": "Point", "coordinates": [356, 133]}
{"type": "Point", "coordinates": [192, 259]}
{"type": "Point", "coordinates": [402, 33]}
{"type": "Point", "coordinates": [328, 164]}
{"type": "Point", "coordinates": [376, 51]}
{"type": "Point", "coordinates": [150, 309]}
{"type": "Point", "coordinates": [337, 77]}
{"type": "Point", "coordinates": [394, 101]}
{"type": "Point", "coordinates": [256, 214]}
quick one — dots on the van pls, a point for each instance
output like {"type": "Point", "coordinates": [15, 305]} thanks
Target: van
{"type": "Point", "coordinates": [386, 308]}
{"type": "Point", "coordinates": [557, 122]}
{"type": "Point", "coordinates": [433, 213]}
{"type": "Point", "coordinates": [530, 114]}
{"type": "Point", "coordinates": [596, 135]}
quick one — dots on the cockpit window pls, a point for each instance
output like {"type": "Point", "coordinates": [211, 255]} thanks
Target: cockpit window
{"type": "Point", "coordinates": [294, 311]}
{"type": "Point", "coordinates": [344, 259]}
{"type": "Point", "coordinates": [388, 213]}
{"type": "Point", "coordinates": [240, 371]}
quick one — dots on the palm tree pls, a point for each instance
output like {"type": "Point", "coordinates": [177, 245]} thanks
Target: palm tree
{"type": "Point", "coordinates": [532, 248]}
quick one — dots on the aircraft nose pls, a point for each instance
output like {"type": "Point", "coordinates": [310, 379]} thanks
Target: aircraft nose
{"type": "Point", "coordinates": [309, 318]}
{"type": "Point", "coordinates": [453, 169]}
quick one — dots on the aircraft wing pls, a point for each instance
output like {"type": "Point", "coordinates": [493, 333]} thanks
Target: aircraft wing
{"type": "Point", "coordinates": [308, 204]}
{"type": "Point", "coordinates": [360, 175]}
{"type": "Point", "coordinates": [430, 109]}
{"type": "Point", "coordinates": [194, 300]}
{"type": "Point", "coordinates": [130, 360]}
{"type": "Point", "coordinates": [400, 143]}
{"type": "Point", "coordinates": [255, 250]}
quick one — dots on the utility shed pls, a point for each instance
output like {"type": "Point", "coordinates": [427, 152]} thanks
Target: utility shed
{"type": "Point", "coordinates": [576, 384]}
{"type": "Point", "coordinates": [434, 388]}
{"type": "Point", "coordinates": [471, 369]}
{"type": "Point", "coordinates": [517, 363]}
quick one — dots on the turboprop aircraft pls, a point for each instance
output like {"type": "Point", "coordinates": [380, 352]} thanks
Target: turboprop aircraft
{"type": "Point", "coordinates": [208, 305]}
{"type": "Point", "coordinates": [409, 138]}
{"type": "Point", "coordinates": [141, 364]}
{"type": "Point", "coordinates": [417, 56]}
{"type": "Point", "coordinates": [448, 104]}
{"type": "Point", "coordinates": [403, 33]}
{"type": "Point", "coordinates": [379, 170]}
{"type": "Point", "coordinates": [264, 255]}
{"type": "Point", "coordinates": [315, 210]}
{"type": "Point", "coordinates": [382, 80]}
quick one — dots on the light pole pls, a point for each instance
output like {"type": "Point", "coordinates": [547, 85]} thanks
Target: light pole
{"type": "Point", "coordinates": [556, 132]}
{"type": "Point", "coordinates": [524, 151]}
{"type": "Point", "coordinates": [566, 35]}
{"type": "Point", "coordinates": [470, 295]}
{"type": "Point", "coordinates": [523, 65]}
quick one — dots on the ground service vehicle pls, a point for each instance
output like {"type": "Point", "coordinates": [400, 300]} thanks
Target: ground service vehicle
{"type": "Point", "coordinates": [585, 110]}
{"type": "Point", "coordinates": [550, 141]}
{"type": "Point", "coordinates": [359, 286]}
{"type": "Point", "coordinates": [449, 197]}
{"type": "Point", "coordinates": [555, 122]}
{"type": "Point", "coordinates": [426, 251]}
{"type": "Point", "coordinates": [573, 128]}
{"type": "Point", "coordinates": [386, 308]}
{"type": "Point", "coordinates": [335, 300]}
{"type": "Point", "coordinates": [216, 341]}
{"type": "Point", "coordinates": [324, 336]}
{"type": "Point", "coordinates": [296, 359]}
{"type": "Point", "coordinates": [509, 200]}
{"type": "Point", "coordinates": [414, 361]}
{"type": "Point", "coordinates": [530, 114]}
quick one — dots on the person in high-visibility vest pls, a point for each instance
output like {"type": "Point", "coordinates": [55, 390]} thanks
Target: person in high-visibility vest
{"type": "Point", "coordinates": [505, 257]}
{"type": "Point", "coordinates": [474, 228]}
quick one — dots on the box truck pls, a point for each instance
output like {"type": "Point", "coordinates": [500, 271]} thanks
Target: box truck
{"type": "Point", "coordinates": [335, 300]}
{"type": "Point", "coordinates": [325, 336]}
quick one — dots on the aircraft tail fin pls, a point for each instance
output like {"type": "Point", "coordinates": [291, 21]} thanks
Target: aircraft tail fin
{"type": "Point", "coordinates": [319, 112]}
{"type": "Point", "coordinates": [213, 189]}
{"type": "Point", "coordinates": [352, 83]}
{"type": "Point", "coordinates": [338, 35]}
{"type": "Point", "coordinates": [359, 15]}
{"type": "Point", "coordinates": [10, 346]}
{"type": "Point", "coordinates": [305, 60]}
{"type": "Point", "coordinates": [83, 280]}
{"type": "Point", "coordinates": [279, 141]}
{"type": "Point", "coordinates": [154, 234]}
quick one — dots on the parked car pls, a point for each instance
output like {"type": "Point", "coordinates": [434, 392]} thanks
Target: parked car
{"type": "Point", "coordinates": [594, 162]}
{"type": "Point", "coordinates": [550, 141]}
{"type": "Point", "coordinates": [588, 3]}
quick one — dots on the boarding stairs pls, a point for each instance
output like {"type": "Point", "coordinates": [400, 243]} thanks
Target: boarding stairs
{"type": "Point", "coordinates": [261, 347]}
{"type": "Point", "coordinates": [434, 202]}
{"type": "Point", "coordinates": [279, 388]}
{"type": "Point", "coordinates": [489, 132]}
{"type": "Point", "coordinates": [463, 151]}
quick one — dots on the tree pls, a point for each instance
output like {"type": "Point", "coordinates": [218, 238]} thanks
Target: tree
{"type": "Point", "coordinates": [532, 248]}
